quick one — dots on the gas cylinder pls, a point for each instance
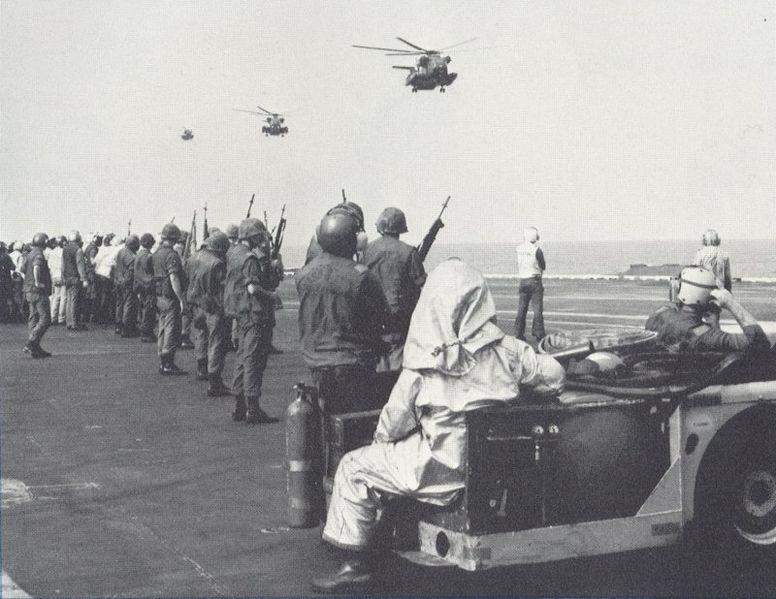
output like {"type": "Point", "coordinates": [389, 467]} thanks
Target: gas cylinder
{"type": "Point", "coordinates": [303, 458]}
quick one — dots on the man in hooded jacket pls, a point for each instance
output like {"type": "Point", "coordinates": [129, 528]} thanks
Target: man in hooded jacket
{"type": "Point", "coordinates": [455, 360]}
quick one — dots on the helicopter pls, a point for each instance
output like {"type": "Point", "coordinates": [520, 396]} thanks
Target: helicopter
{"type": "Point", "coordinates": [430, 69]}
{"type": "Point", "coordinates": [187, 135]}
{"type": "Point", "coordinates": [274, 120]}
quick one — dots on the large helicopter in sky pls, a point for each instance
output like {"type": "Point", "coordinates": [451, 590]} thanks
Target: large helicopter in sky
{"type": "Point", "coordinates": [430, 69]}
{"type": "Point", "coordinates": [274, 121]}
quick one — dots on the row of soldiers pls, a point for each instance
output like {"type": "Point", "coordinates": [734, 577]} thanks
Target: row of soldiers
{"type": "Point", "coordinates": [356, 299]}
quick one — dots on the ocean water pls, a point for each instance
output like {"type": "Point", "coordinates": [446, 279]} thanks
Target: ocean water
{"type": "Point", "coordinates": [748, 257]}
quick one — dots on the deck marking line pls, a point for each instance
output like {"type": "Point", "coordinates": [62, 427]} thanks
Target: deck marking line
{"type": "Point", "coordinates": [11, 589]}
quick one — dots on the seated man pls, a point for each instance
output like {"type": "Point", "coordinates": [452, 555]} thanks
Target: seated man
{"type": "Point", "coordinates": [455, 360]}
{"type": "Point", "coordinates": [680, 326]}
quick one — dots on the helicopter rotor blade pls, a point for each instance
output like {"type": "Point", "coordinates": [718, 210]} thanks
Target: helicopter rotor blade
{"type": "Point", "coordinates": [385, 49]}
{"type": "Point", "coordinates": [456, 45]}
{"type": "Point", "coordinates": [411, 54]}
{"type": "Point", "coordinates": [410, 44]}
{"type": "Point", "coordinates": [264, 109]}
{"type": "Point", "coordinates": [248, 111]}
{"type": "Point", "coordinates": [403, 68]}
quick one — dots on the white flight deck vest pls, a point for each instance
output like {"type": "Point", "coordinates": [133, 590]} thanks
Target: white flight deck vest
{"type": "Point", "coordinates": [527, 264]}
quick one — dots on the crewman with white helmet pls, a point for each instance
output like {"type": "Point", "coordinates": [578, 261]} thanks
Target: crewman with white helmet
{"type": "Point", "coordinates": [680, 325]}
{"type": "Point", "coordinates": [530, 267]}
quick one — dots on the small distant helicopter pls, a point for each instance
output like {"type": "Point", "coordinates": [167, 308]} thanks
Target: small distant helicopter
{"type": "Point", "coordinates": [187, 135]}
{"type": "Point", "coordinates": [430, 69]}
{"type": "Point", "coordinates": [274, 121]}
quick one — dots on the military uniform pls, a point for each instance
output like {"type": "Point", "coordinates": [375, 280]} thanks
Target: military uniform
{"type": "Point", "coordinates": [37, 297]}
{"type": "Point", "coordinates": [207, 273]}
{"type": "Point", "coordinates": [143, 281]}
{"type": "Point", "coordinates": [73, 276]}
{"type": "Point", "coordinates": [254, 317]}
{"type": "Point", "coordinates": [400, 271]}
{"type": "Point", "coordinates": [682, 329]}
{"type": "Point", "coordinates": [167, 262]}
{"type": "Point", "coordinates": [341, 313]}
{"type": "Point", "coordinates": [124, 278]}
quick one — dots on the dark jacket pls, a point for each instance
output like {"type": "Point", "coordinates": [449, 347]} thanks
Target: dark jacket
{"type": "Point", "coordinates": [341, 313]}
{"type": "Point", "coordinates": [73, 268]}
{"type": "Point", "coordinates": [682, 329]}
{"type": "Point", "coordinates": [400, 271]}
{"type": "Point", "coordinates": [124, 273]}
{"type": "Point", "coordinates": [245, 267]}
{"type": "Point", "coordinates": [166, 262]}
{"type": "Point", "coordinates": [37, 258]}
{"type": "Point", "coordinates": [207, 273]}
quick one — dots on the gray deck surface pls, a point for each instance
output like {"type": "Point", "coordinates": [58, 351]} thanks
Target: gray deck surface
{"type": "Point", "coordinates": [138, 485]}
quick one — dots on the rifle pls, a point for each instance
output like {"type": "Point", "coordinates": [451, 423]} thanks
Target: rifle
{"type": "Point", "coordinates": [344, 199]}
{"type": "Point", "coordinates": [191, 236]}
{"type": "Point", "coordinates": [205, 232]}
{"type": "Point", "coordinates": [253, 197]}
{"type": "Point", "coordinates": [428, 240]}
{"type": "Point", "coordinates": [277, 242]}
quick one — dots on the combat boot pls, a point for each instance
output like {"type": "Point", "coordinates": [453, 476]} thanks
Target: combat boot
{"type": "Point", "coordinates": [216, 388]}
{"type": "Point", "coordinates": [170, 368]}
{"type": "Point", "coordinates": [240, 409]}
{"type": "Point", "coordinates": [256, 415]}
{"type": "Point", "coordinates": [354, 576]}
{"type": "Point", "coordinates": [40, 352]}
{"type": "Point", "coordinates": [202, 369]}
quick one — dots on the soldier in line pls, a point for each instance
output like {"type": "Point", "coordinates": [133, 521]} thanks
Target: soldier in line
{"type": "Point", "coordinates": [400, 271]}
{"type": "Point", "coordinates": [118, 298]}
{"type": "Point", "coordinates": [170, 299]}
{"type": "Point", "coordinates": [207, 274]}
{"type": "Point", "coordinates": [6, 283]}
{"type": "Point", "coordinates": [74, 277]}
{"type": "Point", "coordinates": [124, 278]}
{"type": "Point", "coordinates": [341, 314]}
{"type": "Point", "coordinates": [89, 305]}
{"type": "Point", "coordinates": [185, 337]}
{"type": "Point", "coordinates": [37, 288]}
{"type": "Point", "coordinates": [143, 281]}
{"type": "Point", "coordinates": [232, 233]}
{"type": "Point", "coordinates": [248, 299]}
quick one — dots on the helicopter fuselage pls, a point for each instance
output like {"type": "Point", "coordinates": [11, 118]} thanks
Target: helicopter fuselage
{"type": "Point", "coordinates": [430, 72]}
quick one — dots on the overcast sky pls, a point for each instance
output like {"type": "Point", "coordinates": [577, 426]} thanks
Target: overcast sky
{"type": "Point", "coordinates": [600, 120]}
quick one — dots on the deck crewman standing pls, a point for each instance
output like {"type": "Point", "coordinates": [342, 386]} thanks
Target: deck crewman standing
{"type": "Point", "coordinates": [37, 288]}
{"type": "Point", "coordinates": [249, 299]}
{"type": "Point", "coordinates": [399, 269]}
{"type": "Point", "coordinates": [170, 301]}
{"type": "Point", "coordinates": [530, 267]}
{"type": "Point", "coordinates": [207, 274]}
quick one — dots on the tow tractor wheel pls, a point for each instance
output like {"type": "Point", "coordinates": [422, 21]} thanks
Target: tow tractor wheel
{"type": "Point", "coordinates": [754, 504]}
{"type": "Point", "coordinates": [738, 511]}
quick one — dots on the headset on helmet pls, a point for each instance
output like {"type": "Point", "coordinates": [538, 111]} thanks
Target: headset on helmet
{"type": "Point", "coordinates": [337, 234]}
{"type": "Point", "coordinates": [695, 286]}
{"type": "Point", "coordinates": [351, 209]}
